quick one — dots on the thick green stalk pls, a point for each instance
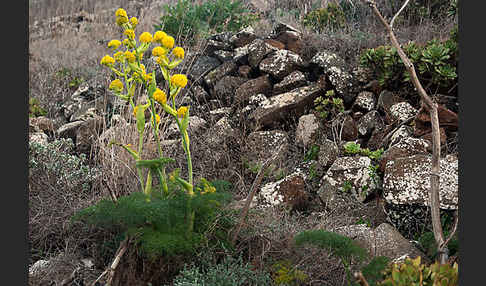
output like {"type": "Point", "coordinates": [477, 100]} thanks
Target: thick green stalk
{"type": "Point", "coordinates": [159, 148]}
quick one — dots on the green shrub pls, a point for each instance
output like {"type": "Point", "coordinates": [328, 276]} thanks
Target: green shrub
{"type": "Point", "coordinates": [160, 224]}
{"type": "Point", "coordinates": [35, 109]}
{"type": "Point", "coordinates": [331, 17]}
{"type": "Point", "coordinates": [373, 271]}
{"type": "Point", "coordinates": [230, 272]}
{"type": "Point", "coordinates": [196, 20]}
{"type": "Point", "coordinates": [328, 105]}
{"type": "Point", "coordinates": [56, 165]}
{"type": "Point", "coordinates": [286, 274]}
{"type": "Point", "coordinates": [413, 272]}
{"type": "Point", "coordinates": [435, 64]}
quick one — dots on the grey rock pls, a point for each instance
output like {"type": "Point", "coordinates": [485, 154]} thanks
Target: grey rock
{"type": "Point", "coordinates": [212, 77]}
{"type": "Point", "coordinates": [243, 37]}
{"type": "Point", "coordinates": [202, 65]}
{"type": "Point", "coordinates": [368, 122]}
{"type": "Point", "coordinates": [402, 111]}
{"type": "Point", "coordinates": [257, 50]}
{"type": "Point", "coordinates": [196, 126]}
{"type": "Point", "coordinates": [281, 63]}
{"type": "Point", "coordinates": [262, 145]}
{"type": "Point", "coordinates": [251, 87]}
{"type": "Point", "coordinates": [353, 172]}
{"type": "Point", "coordinates": [279, 107]}
{"type": "Point", "coordinates": [307, 129]}
{"type": "Point", "coordinates": [294, 80]}
{"type": "Point", "coordinates": [328, 153]}
{"type": "Point", "coordinates": [224, 56]}
{"type": "Point", "coordinates": [384, 240]}
{"type": "Point", "coordinates": [407, 181]}
{"type": "Point", "coordinates": [401, 133]}
{"type": "Point", "coordinates": [406, 147]}
{"type": "Point", "coordinates": [335, 69]}
{"type": "Point", "coordinates": [225, 88]}
{"type": "Point", "coordinates": [365, 101]}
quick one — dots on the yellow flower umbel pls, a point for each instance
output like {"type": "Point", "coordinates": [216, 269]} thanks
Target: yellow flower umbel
{"type": "Point", "coordinates": [107, 60]}
{"type": "Point", "coordinates": [116, 85]}
{"type": "Point", "coordinates": [121, 17]}
{"type": "Point", "coordinates": [178, 52]}
{"type": "Point", "coordinates": [179, 80]}
{"type": "Point", "coordinates": [158, 51]}
{"type": "Point", "coordinates": [158, 36]}
{"type": "Point", "coordinates": [181, 111]}
{"type": "Point", "coordinates": [129, 33]}
{"type": "Point", "coordinates": [114, 44]}
{"type": "Point", "coordinates": [133, 22]}
{"type": "Point", "coordinates": [160, 96]}
{"type": "Point", "coordinates": [145, 37]}
{"type": "Point", "coordinates": [168, 42]}
{"type": "Point", "coordinates": [130, 56]}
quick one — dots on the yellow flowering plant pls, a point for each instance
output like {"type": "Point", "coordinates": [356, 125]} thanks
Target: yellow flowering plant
{"type": "Point", "coordinates": [126, 65]}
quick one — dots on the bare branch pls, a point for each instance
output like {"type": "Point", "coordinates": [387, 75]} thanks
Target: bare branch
{"type": "Point", "coordinates": [398, 13]}
{"type": "Point", "coordinates": [253, 189]}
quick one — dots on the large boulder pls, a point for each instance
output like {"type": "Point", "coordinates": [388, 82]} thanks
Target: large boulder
{"type": "Point", "coordinates": [225, 88]}
{"type": "Point", "coordinates": [404, 148]}
{"type": "Point", "coordinates": [290, 191]}
{"type": "Point", "coordinates": [202, 65]}
{"type": "Point", "coordinates": [212, 77]}
{"type": "Point", "coordinates": [407, 181]}
{"type": "Point", "coordinates": [257, 50]}
{"type": "Point", "coordinates": [279, 107]}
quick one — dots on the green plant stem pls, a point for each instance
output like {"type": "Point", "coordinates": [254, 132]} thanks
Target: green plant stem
{"type": "Point", "coordinates": [163, 176]}
{"type": "Point", "coordinates": [139, 171]}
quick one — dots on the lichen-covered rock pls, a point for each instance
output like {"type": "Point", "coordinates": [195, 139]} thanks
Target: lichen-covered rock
{"type": "Point", "coordinates": [200, 94]}
{"type": "Point", "coordinates": [202, 65]}
{"type": "Point", "coordinates": [244, 71]}
{"type": "Point", "coordinates": [349, 175]}
{"type": "Point", "coordinates": [217, 114]}
{"type": "Point", "coordinates": [385, 240]}
{"type": "Point", "coordinates": [335, 69]}
{"type": "Point", "coordinates": [292, 81]}
{"type": "Point", "coordinates": [212, 77]}
{"type": "Point", "coordinates": [43, 124]}
{"type": "Point", "coordinates": [224, 56]}
{"type": "Point", "coordinates": [368, 122]}
{"type": "Point", "coordinates": [328, 153]}
{"type": "Point", "coordinates": [262, 145]}
{"type": "Point", "coordinates": [385, 101]}
{"type": "Point", "coordinates": [38, 137]}
{"type": "Point", "coordinates": [225, 88]}
{"type": "Point", "coordinates": [407, 181]}
{"type": "Point", "coordinates": [243, 37]}
{"type": "Point", "coordinates": [280, 106]}
{"type": "Point", "coordinates": [281, 63]}
{"type": "Point", "coordinates": [257, 50]}
{"type": "Point", "coordinates": [365, 101]}
{"type": "Point", "coordinates": [401, 133]}
{"type": "Point", "coordinates": [87, 96]}
{"type": "Point", "coordinates": [290, 191]}
{"type": "Point", "coordinates": [402, 111]}
{"type": "Point", "coordinates": [213, 46]}
{"type": "Point", "coordinates": [252, 87]}
{"type": "Point", "coordinates": [68, 130]}
{"type": "Point", "coordinates": [406, 147]}
{"type": "Point", "coordinates": [292, 40]}
{"type": "Point", "coordinates": [307, 130]}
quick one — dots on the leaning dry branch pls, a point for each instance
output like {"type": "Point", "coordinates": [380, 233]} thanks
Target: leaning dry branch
{"type": "Point", "coordinates": [432, 107]}
{"type": "Point", "coordinates": [111, 270]}
{"type": "Point", "coordinates": [250, 196]}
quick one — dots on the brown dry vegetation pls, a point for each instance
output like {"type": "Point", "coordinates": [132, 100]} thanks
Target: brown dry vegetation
{"type": "Point", "coordinates": [62, 57]}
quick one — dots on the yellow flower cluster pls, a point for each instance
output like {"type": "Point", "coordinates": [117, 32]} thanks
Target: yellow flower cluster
{"type": "Point", "coordinates": [160, 96]}
{"type": "Point", "coordinates": [130, 56]}
{"type": "Point", "coordinates": [178, 52]}
{"type": "Point", "coordinates": [134, 22]}
{"type": "Point", "coordinates": [114, 44]}
{"type": "Point", "coordinates": [179, 80]}
{"type": "Point", "coordinates": [107, 60]}
{"type": "Point", "coordinates": [157, 119]}
{"type": "Point", "coordinates": [145, 37]}
{"type": "Point", "coordinates": [129, 33]}
{"type": "Point", "coordinates": [121, 17]}
{"type": "Point", "coordinates": [158, 51]}
{"type": "Point", "coordinates": [158, 36]}
{"type": "Point", "coordinates": [116, 85]}
{"type": "Point", "coordinates": [181, 111]}
{"type": "Point", "coordinates": [168, 42]}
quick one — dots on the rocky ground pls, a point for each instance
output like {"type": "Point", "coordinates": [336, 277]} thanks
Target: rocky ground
{"type": "Point", "coordinates": [252, 100]}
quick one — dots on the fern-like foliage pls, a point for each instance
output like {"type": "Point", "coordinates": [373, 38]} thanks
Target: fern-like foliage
{"type": "Point", "coordinates": [160, 224]}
